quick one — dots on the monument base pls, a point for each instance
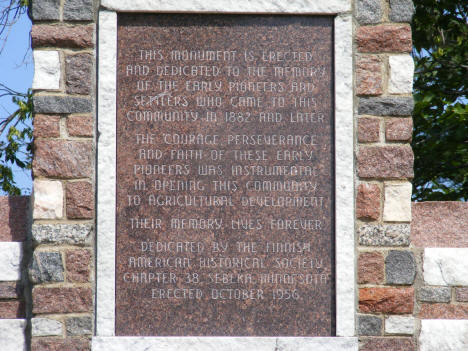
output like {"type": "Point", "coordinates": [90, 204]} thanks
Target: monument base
{"type": "Point", "coordinates": [195, 343]}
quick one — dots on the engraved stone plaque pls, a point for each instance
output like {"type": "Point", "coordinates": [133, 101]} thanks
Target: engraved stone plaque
{"type": "Point", "coordinates": [225, 176]}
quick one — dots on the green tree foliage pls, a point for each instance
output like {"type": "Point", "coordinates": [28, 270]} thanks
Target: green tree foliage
{"type": "Point", "coordinates": [15, 128]}
{"type": "Point", "coordinates": [440, 138]}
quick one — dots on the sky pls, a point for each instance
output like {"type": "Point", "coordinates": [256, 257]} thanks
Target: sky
{"type": "Point", "coordinates": [16, 72]}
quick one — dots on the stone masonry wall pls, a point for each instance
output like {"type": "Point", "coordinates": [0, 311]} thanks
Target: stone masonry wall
{"type": "Point", "coordinates": [395, 288]}
{"type": "Point", "coordinates": [386, 261]}
{"type": "Point", "coordinates": [61, 269]}
{"type": "Point", "coordinates": [14, 229]}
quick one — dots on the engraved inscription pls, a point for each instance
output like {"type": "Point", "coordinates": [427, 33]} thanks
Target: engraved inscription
{"type": "Point", "coordinates": [225, 214]}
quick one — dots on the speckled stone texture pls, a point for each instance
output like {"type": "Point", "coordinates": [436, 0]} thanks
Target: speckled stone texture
{"type": "Point", "coordinates": [14, 217]}
{"type": "Point", "coordinates": [439, 224]}
{"type": "Point", "coordinates": [144, 308]}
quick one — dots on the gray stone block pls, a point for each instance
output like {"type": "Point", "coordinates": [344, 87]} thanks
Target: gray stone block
{"type": "Point", "coordinates": [61, 233]}
{"type": "Point", "coordinates": [401, 10]}
{"type": "Point", "coordinates": [45, 9]}
{"type": "Point", "coordinates": [434, 294]}
{"type": "Point", "coordinates": [79, 326]}
{"type": "Point", "coordinates": [369, 325]}
{"type": "Point", "coordinates": [78, 10]}
{"type": "Point", "coordinates": [46, 267]}
{"type": "Point", "coordinates": [369, 11]}
{"type": "Point", "coordinates": [386, 106]}
{"type": "Point", "coordinates": [61, 104]}
{"type": "Point", "coordinates": [400, 267]}
{"type": "Point", "coordinates": [384, 235]}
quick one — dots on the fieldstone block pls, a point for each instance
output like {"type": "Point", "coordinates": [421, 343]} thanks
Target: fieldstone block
{"type": "Point", "coordinates": [61, 104]}
{"type": "Point", "coordinates": [78, 10]}
{"type": "Point", "coordinates": [384, 235]}
{"type": "Point", "coordinates": [397, 204]}
{"type": "Point", "coordinates": [401, 74]}
{"type": "Point", "coordinates": [60, 344]}
{"type": "Point", "coordinates": [48, 199]}
{"type": "Point", "coordinates": [399, 325]}
{"type": "Point", "coordinates": [461, 294]}
{"type": "Point", "coordinates": [439, 224]}
{"type": "Point", "coordinates": [368, 201]}
{"type": "Point", "coordinates": [14, 215]}
{"type": "Point", "coordinates": [369, 325]}
{"type": "Point", "coordinates": [400, 267]}
{"type": "Point", "coordinates": [12, 334]}
{"type": "Point", "coordinates": [46, 267]}
{"type": "Point", "coordinates": [62, 300]}
{"type": "Point", "coordinates": [399, 129]}
{"type": "Point", "coordinates": [12, 309]}
{"type": "Point", "coordinates": [63, 158]}
{"type": "Point", "coordinates": [46, 126]}
{"type": "Point", "coordinates": [78, 69]}
{"type": "Point", "coordinates": [369, 11]}
{"type": "Point", "coordinates": [77, 263]}
{"type": "Point", "coordinates": [81, 126]}
{"type": "Point", "coordinates": [386, 106]}
{"type": "Point", "coordinates": [46, 70]}
{"type": "Point", "coordinates": [443, 311]}
{"type": "Point", "coordinates": [368, 130]}
{"type": "Point", "coordinates": [370, 268]}
{"type": "Point", "coordinates": [434, 294]}
{"type": "Point", "coordinates": [386, 300]}
{"type": "Point", "coordinates": [45, 9]}
{"type": "Point", "coordinates": [61, 233]}
{"type": "Point", "coordinates": [79, 326]}
{"type": "Point", "coordinates": [62, 36]}
{"type": "Point", "coordinates": [401, 10]}
{"type": "Point", "coordinates": [369, 75]}
{"type": "Point", "coordinates": [384, 38]}
{"type": "Point", "coordinates": [80, 200]}
{"type": "Point", "coordinates": [443, 335]}
{"type": "Point", "coordinates": [45, 327]}
{"type": "Point", "coordinates": [11, 254]}
{"type": "Point", "coordinates": [445, 266]}
{"type": "Point", "coordinates": [11, 290]}
{"type": "Point", "coordinates": [387, 344]}
{"type": "Point", "coordinates": [394, 162]}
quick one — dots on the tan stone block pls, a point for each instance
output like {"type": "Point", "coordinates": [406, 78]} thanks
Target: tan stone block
{"type": "Point", "coordinates": [384, 38]}
{"type": "Point", "coordinates": [368, 130]}
{"type": "Point", "coordinates": [370, 268]}
{"type": "Point", "coordinates": [369, 75]}
{"type": "Point", "coordinates": [399, 129]}
{"type": "Point", "coordinates": [48, 199]}
{"type": "Point", "coordinates": [368, 201]}
{"type": "Point", "coordinates": [397, 203]}
{"type": "Point", "coordinates": [80, 200]}
{"type": "Point", "coordinates": [386, 300]}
